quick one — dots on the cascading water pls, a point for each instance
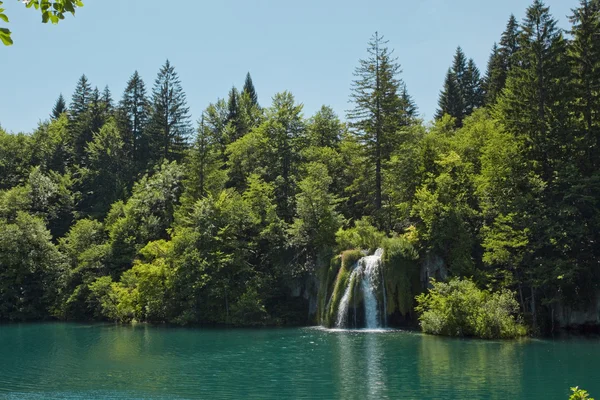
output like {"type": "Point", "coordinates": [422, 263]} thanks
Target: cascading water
{"type": "Point", "coordinates": [370, 274]}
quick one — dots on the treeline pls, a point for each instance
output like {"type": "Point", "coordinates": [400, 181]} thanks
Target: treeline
{"type": "Point", "coordinates": [123, 211]}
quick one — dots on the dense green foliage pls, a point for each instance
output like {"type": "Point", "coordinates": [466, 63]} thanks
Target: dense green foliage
{"type": "Point", "coordinates": [141, 217]}
{"type": "Point", "coordinates": [459, 308]}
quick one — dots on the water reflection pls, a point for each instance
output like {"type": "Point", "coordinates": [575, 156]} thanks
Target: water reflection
{"type": "Point", "coordinates": [470, 367]}
{"type": "Point", "coordinates": [360, 370]}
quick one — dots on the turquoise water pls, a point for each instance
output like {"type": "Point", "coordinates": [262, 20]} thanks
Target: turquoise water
{"type": "Point", "coordinates": [73, 361]}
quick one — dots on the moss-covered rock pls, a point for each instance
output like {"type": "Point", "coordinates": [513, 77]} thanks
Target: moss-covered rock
{"type": "Point", "coordinates": [402, 278]}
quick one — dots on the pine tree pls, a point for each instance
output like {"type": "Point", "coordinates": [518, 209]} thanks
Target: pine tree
{"type": "Point", "coordinates": [509, 43]}
{"type": "Point", "coordinates": [473, 89]}
{"type": "Point", "coordinates": [59, 108]}
{"type": "Point", "coordinates": [409, 107]}
{"type": "Point", "coordinates": [249, 89]}
{"type": "Point", "coordinates": [459, 67]}
{"type": "Point", "coordinates": [502, 60]}
{"type": "Point", "coordinates": [585, 66]}
{"type": "Point", "coordinates": [170, 126]}
{"type": "Point", "coordinates": [495, 76]}
{"type": "Point", "coordinates": [107, 100]}
{"type": "Point", "coordinates": [234, 117]}
{"type": "Point", "coordinates": [377, 111]}
{"type": "Point", "coordinates": [536, 101]}
{"type": "Point", "coordinates": [134, 113]}
{"type": "Point", "coordinates": [96, 111]}
{"type": "Point", "coordinates": [82, 97]}
{"type": "Point", "coordinates": [451, 101]}
{"type": "Point", "coordinates": [463, 91]}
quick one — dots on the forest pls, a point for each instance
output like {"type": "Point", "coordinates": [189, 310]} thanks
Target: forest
{"type": "Point", "coordinates": [125, 210]}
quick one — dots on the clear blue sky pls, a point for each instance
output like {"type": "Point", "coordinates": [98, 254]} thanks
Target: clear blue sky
{"type": "Point", "coordinates": [308, 47]}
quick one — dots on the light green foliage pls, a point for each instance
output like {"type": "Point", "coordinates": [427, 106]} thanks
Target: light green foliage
{"type": "Point", "coordinates": [459, 308]}
{"type": "Point", "coordinates": [579, 394]}
{"type": "Point", "coordinates": [317, 221]}
{"type": "Point", "coordinates": [363, 236]}
{"type": "Point", "coordinates": [146, 215]}
{"type": "Point", "coordinates": [29, 267]}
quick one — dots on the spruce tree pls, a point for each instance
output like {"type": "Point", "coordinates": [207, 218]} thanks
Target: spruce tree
{"type": "Point", "coordinates": [107, 100]}
{"type": "Point", "coordinates": [250, 90]}
{"type": "Point", "coordinates": [59, 107]}
{"type": "Point", "coordinates": [502, 60]}
{"type": "Point", "coordinates": [473, 89]}
{"type": "Point", "coordinates": [584, 54]}
{"type": "Point", "coordinates": [170, 126]}
{"type": "Point", "coordinates": [134, 113]}
{"type": "Point", "coordinates": [409, 107]}
{"type": "Point", "coordinates": [451, 101]}
{"type": "Point", "coordinates": [495, 77]}
{"type": "Point", "coordinates": [82, 97]}
{"type": "Point", "coordinates": [509, 43]}
{"type": "Point", "coordinates": [536, 101]}
{"type": "Point", "coordinates": [463, 91]}
{"type": "Point", "coordinates": [377, 112]}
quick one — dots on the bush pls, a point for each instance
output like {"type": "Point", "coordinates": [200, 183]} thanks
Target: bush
{"type": "Point", "coordinates": [363, 236]}
{"type": "Point", "coordinates": [579, 394]}
{"type": "Point", "coordinates": [459, 308]}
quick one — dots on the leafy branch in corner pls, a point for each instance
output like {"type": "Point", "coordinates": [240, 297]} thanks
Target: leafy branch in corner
{"type": "Point", "coordinates": [52, 11]}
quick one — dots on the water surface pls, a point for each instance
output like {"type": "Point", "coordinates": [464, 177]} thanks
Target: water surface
{"type": "Point", "coordinates": [74, 361]}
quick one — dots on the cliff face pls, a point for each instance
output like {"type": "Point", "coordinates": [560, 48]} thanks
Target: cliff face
{"type": "Point", "coordinates": [572, 318]}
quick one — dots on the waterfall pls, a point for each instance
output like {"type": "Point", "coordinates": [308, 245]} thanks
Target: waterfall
{"type": "Point", "coordinates": [369, 272]}
{"type": "Point", "coordinates": [342, 317]}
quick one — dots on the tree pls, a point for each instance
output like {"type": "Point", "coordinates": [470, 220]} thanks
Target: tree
{"type": "Point", "coordinates": [82, 97]}
{"type": "Point", "coordinates": [462, 91]}
{"type": "Point", "coordinates": [502, 60]}
{"type": "Point", "coordinates": [59, 107]}
{"type": "Point", "coordinates": [107, 174]}
{"type": "Point", "coordinates": [133, 116]}
{"type": "Point", "coordinates": [170, 127]}
{"type": "Point", "coordinates": [52, 11]}
{"type": "Point", "coordinates": [473, 90]}
{"type": "Point", "coordinates": [30, 264]}
{"type": "Point", "coordinates": [249, 89]}
{"type": "Point", "coordinates": [377, 109]}
{"type": "Point", "coordinates": [450, 101]}
{"type": "Point", "coordinates": [584, 53]}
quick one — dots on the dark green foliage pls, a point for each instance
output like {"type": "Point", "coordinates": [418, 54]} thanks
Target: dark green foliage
{"type": "Point", "coordinates": [132, 117]}
{"type": "Point", "coordinates": [59, 107]}
{"type": "Point", "coordinates": [378, 109]}
{"type": "Point", "coordinates": [169, 127]}
{"type": "Point", "coordinates": [82, 97]}
{"type": "Point", "coordinates": [29, 268]}
{"type": "Point", "coordinates": [451, 101]}
{"type": "Point", "coordinates": [463, 89]}
{"type": "Point", "coordinates": [250, 90]}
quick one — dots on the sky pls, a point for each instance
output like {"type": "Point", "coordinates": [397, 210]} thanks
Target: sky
{"type": "Point", "coordinates": [308, 47]}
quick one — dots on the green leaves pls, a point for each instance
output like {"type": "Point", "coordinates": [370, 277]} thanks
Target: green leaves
{"type": "Point", "coordinates": [51, 12]}
{"type": "Point", "coordinates": [4, 32]}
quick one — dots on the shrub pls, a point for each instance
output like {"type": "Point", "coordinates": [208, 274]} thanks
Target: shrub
{"type": "Point", "coordinates": [459, 308]}
{"type": "Point", "coordinates": [579, 394]}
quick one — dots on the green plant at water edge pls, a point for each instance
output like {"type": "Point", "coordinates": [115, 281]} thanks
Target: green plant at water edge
{"type": "Point", "coordinates": [460, 308]}
{"type": "Point", "coordinates": [579, 394]}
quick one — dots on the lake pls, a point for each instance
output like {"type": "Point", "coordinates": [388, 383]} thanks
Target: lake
{"type": "Point", "coordinates": [78, 361]}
